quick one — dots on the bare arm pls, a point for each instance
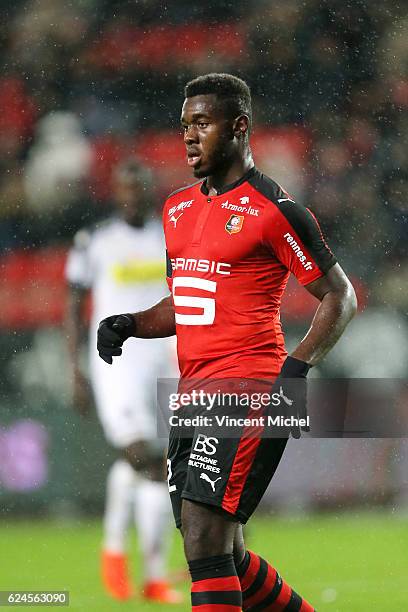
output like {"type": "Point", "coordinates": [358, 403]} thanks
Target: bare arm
{"type": "Point", "coordinates": [74, 326]}
{"type": "Point", "coordinates": [74, 332]}
{"type": "Point", "coordinates": [338, 305]}
{"type": "Point", "coordinates": [157, 321]}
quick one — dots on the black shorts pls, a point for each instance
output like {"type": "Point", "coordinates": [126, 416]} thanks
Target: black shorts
{"type": "Point", "coordinates": [230, 474]}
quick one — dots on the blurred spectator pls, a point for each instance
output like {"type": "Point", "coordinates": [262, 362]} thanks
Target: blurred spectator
{"type": "Point", "coordinates": [43, 37]}
{"type": "Point", "coordinates": [17, 116]}
{"type": "Point", "coordinates": [57, 163]}
{"type": "Point", "coordinates": [365, 353]}
{"type": "Point", "coordinates": [12, 209]}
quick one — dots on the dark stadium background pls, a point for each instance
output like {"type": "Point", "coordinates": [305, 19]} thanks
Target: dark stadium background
{"type": "Point", "coordinates": [84, 83]}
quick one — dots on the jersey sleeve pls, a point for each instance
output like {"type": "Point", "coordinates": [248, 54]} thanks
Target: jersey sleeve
{"type": "Point", "coordinates": [169, 272]}
{"type": "Point", "coordinates": [169, 268]}
{"type": "Point", "coordinates": [294, 235]}
{"type": "Point", "coordinates": [78, 267]}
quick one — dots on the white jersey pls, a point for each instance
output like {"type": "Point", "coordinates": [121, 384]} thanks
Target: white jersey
{"type": "Point", "coordinates": [124, 267]}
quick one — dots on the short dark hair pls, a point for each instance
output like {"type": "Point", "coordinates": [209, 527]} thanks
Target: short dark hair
{"type": "Point", "coordinates": [229, 88]}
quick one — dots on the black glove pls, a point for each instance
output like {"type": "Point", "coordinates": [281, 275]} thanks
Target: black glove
{"type": "Point", "coordinates": [112, 332]}
{"type": "Point", "coordinates": [291, 388]}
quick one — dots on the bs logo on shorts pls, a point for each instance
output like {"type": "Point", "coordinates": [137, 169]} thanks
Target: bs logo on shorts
{"type": "Point", "coordinates": [205, 445]}
{"type": "Point", "coordinates": [234, 224]}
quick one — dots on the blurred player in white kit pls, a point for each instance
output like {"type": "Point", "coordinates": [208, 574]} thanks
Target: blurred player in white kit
{"type": "Point", "coordinates": [122, 263]}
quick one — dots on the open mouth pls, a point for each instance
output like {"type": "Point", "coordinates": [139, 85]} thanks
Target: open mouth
{"type": "Point", "coordinates": [193, 159]}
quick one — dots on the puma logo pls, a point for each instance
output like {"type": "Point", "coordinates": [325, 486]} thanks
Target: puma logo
{"type": "Point", "coordinates": [175, 219]}
{"type": "Point", "coordinates": [286, 200]}
{"type": "Point", "coordinates": [204, 476]}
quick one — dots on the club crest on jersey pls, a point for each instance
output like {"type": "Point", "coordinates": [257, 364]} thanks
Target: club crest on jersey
{"type": "Point", "coordinates": [234, 224]}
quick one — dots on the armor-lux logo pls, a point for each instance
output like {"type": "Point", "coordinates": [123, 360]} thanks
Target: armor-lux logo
{"type": "Point", "coordinates": [234, 224]}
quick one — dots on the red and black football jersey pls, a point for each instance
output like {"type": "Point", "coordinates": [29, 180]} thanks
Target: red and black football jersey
{"type": "Point", "coordinates": [229, 259]}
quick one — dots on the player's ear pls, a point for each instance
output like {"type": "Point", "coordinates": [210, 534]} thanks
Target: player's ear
{"type": "Point", "coordinates": [241, 126]}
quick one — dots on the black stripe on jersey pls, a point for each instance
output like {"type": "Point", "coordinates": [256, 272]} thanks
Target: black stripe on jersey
{"type": "Point", "coordinates": [169, 267]}
{"type": "Point", "coordinates": [228, 598]}
{"type": "Point", "coordinates": [183, 188]}
{"type": "Point", "coordinates": [294, 604]}
{"type": "Point", "coordinates": [299, 218]}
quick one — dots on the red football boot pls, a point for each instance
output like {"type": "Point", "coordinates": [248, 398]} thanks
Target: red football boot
{"type": "Point", "coordinates": [115, 575]}
{"type": "Point", "coordinates": [161, 592]}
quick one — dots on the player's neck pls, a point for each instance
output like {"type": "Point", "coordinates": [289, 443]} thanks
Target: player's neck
{"type": "Point", "coordinates": [226, 176]}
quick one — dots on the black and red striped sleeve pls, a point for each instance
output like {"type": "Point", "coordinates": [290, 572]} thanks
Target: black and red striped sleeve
{"type": "Point", "coordinates": [292, 232]}
{"type": "Point", "coordinates": [294, 235]}
{"type": "Point", "coordinates": [169, 272]}
{"type": "Point", "coordinates": [169, 268]}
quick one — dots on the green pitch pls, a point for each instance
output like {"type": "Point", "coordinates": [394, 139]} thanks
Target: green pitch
{"type": "Point", "coordinates": [355, 563]}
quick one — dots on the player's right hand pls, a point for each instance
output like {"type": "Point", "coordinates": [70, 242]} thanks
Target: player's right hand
{"type": "Point", "coordinates": [112, 333]}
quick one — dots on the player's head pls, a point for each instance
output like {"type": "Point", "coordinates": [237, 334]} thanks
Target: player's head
{"type": "Point", "coordinates": [216, 118]}
{"type": "Point", "coordinates": [131, 189]}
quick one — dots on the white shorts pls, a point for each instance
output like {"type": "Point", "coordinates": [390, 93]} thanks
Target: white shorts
{"type": "Point", "coordinates": [126, 391]}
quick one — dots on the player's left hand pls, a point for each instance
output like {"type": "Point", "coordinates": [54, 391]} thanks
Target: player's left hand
{"type": "Point", "coordinates": [291, 387]}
